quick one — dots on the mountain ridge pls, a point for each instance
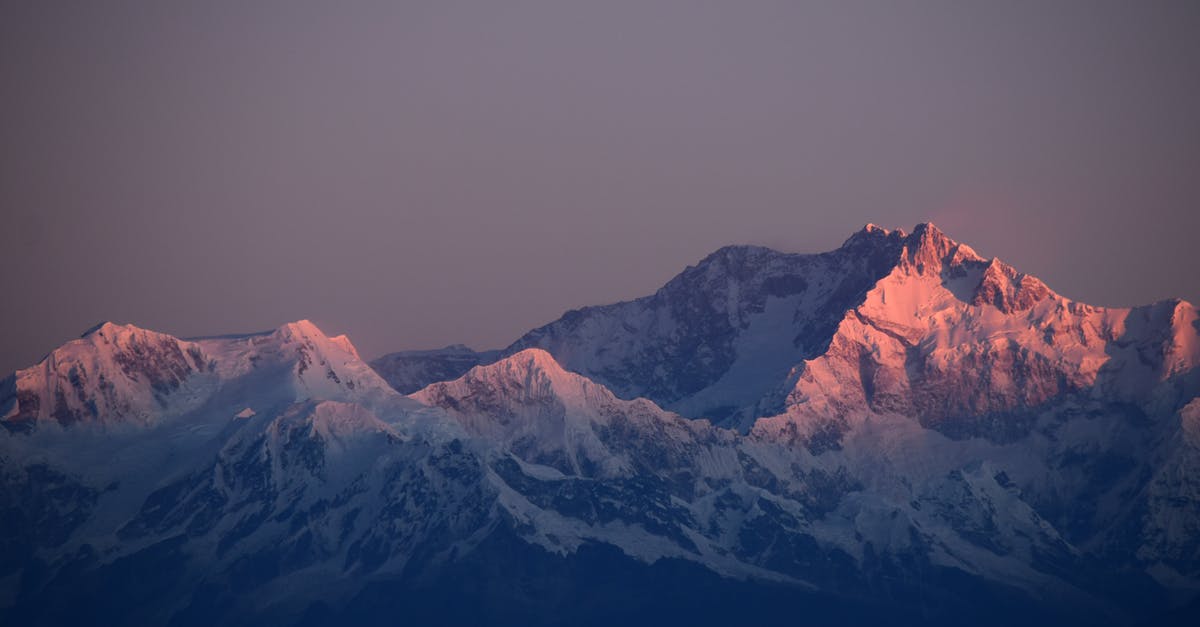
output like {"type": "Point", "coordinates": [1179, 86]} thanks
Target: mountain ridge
{"type": "Point", "coordinates": [735, 315]}
{"type": "Point", "coordinates": [913, 428]}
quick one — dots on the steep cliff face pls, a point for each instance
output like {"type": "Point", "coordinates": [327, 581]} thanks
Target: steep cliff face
{"type": "Point", "coordinates": [902, 428]}
{"type": "Point", "coordinates": [123, 375]}
{"type": "Point", "coordinates": [112, 373]}
{"type": "Point", "coordinates": [574, 461]}
{"type": "Point", "coordinates": [890, 322]}
{"type": "Point", "coordinates": [718, 340]}
{"type": "Point", "coordinates": [971, 348]}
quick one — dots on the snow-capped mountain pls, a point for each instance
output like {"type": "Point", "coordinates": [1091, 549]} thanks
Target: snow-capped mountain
{"type": "Point", "coordinates": [959, 343]}
{"type": "Point", "coordinates": [751, 333]}
{"type": "Point", "coordinates": [718, 340]}
{"type": "Point", "coordinates": [705, 491]}
{"type": "Point", "coordinates": [530, 406]}
{"type": "Point", "coordinates": [111, 373]}
{"type": "Point", "coordinates": [119, 374]}
{"type": "Point", "coordinates": [898, 430]}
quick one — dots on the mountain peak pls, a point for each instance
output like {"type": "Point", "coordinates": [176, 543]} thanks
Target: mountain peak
{"type": "Point", "coordinates": [549, 416]}
{"type": "Point", "coordinates": [111, 336]}
{"type": "Point", "coordinates": [113, 372]}
{"type": "Point", "coordinates": [527, 362]}
{"type": "Point", "coordinates": [1008, 290]}
{"type": "Point", "coordinates": [929, 250]}
{"type": "Point", "coordinates": [927, 235]}
{"type": "Point", "coordinates": [927, 247]}
{"type": "Point", "coordinates": [109, 329]}
{"type": "Point", "coordinates": [305, 330]}
{"type": "Point", "coordinates": [300, 328]}
{"type": "Point", "coordinates": [100, 327]}
{"type": "Point", "coordinates": [528, 378]}
{"type": "Point", "coordinates": [873, 234]}
{"type": "Point", "coordinates": [927, 229]}
{"type": "Point", "coordinates": [736, 256]}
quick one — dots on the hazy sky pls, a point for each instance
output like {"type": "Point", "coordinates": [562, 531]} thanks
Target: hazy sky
{"type": "Point", "coordinates": [421, 173]}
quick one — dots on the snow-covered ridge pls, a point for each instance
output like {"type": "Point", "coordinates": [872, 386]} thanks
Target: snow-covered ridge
{"type": "Point", "coordinates": [949, 339]}
{"type": "Point", "coordinates": [528, 378]}
{"type": "Point", "coordinates": [122, 374]}
{"type": "Point", "coordinates": [904, 408]}
{"type": "Point", "coordinates": [113, 372]}
{"type": "Point", "coordinates": [718, 339]}
{"type": "Point", "coordinates": [890, 321]}
{"type": "Point", "coordinates": [914, 323]}
{"type": "Point", "coordinates": [527, 402]}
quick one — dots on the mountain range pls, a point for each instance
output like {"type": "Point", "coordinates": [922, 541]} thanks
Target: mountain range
{"type": "Point", "coordinates": [897, 430]}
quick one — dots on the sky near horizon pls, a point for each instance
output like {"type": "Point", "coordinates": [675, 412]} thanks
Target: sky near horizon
{"type": "Point", "coordinates": [416, 174]}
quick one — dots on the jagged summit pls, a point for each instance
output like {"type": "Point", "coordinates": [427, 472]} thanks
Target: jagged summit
{"type": "Point", "coordinates": [300, 328]}
{"type": "Point", "coordinates": [552, 417]}
{"type": "Point", "coordinates": [927, 245]}
{"type": "Point", "coordinates": [530, 383]}
{"type": "Point", "coordinates": [1008, 290]}
{"type": "Point", "coordinates": [928, 231]}
{"type": "Point", "coordinates": [306, 330]}
{"type": "Point", "coordinates": [106, 325]}
{"type": "Point", "coordinates": [911, 419]}
{"type": "Point", "coordinates": [112, 373]}
{"type": "Point", "coordinates": [123, 374]}
{"type": "Point", "coordinates": [112, 330]}
{"type": "Point", "coordinates": [524, 365]}
{"type": "Point", "coordinates": [528, 377]}
{"type": "Point", "coordinates": [872, 233]}
{"type": "Point", "coordinates": [926, 248]}
{"type": "Point", "coordinates": [731, 337]}
{"type": "Point", "coordinates": [719, 339]}
{"type": "Point", "coordinates": [930, 250]}
{"type": "Point", "coordinates": [533, 359]}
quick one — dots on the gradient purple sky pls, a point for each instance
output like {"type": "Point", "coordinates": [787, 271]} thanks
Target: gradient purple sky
{"type": "Point", "coordinates": [421, 173]}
